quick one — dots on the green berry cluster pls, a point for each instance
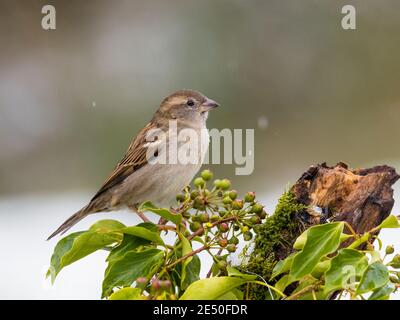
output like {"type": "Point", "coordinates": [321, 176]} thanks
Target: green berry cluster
{"type": "Point", "coordinates": [215, 213]}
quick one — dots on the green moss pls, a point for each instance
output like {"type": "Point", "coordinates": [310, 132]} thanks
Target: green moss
{"type": "Point", "coordinates": [274, 241]}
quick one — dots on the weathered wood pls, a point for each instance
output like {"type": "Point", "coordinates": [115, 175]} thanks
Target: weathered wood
{"type": "Point", "coordinates": [361, 197]}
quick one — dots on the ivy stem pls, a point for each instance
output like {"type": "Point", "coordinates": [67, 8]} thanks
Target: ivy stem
{"type": "Point", "coordinates": [269, 286]}
{"type": "Point", "coordinates": [205, 247]}
{"type": "Point", "coordinates": [210, 271]}
{"type": "Point", "coordinates": [348, 225]}
{"type": "Point", "coordinates": [302, 291]}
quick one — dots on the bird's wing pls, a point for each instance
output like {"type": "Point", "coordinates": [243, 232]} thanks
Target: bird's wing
{"type": "Point", "coordinates": [134, 159]}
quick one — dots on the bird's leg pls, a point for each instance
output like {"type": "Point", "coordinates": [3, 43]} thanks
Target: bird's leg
{"type": "Point", "coordinates": [139, 213]}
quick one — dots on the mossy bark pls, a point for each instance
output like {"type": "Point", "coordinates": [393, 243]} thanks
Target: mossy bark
{"type": "Point", "coordinates": [362, 197]}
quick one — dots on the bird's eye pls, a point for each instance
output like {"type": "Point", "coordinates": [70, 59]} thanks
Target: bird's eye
{"type": "Point", "coordinates": [190, 103]}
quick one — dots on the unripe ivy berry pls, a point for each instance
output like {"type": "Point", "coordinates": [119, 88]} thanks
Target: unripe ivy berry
{"type": "Point", "coordinates": [257, 208]}
{"type": "Point", "coordinates": [262, 214]}
{"type": "Point", "coordinates": [194, 226]}
{"type": "Point", "coordinates": [180, 197]}
{"type": "Point", "coordinates": [204, 217]}
{"type": "Point", "coordinates": [227, 200]}
{"type": "Point", "coordinates": [389, 249]}
{"type": "Point", "coordinates": [396, 258]}
{"type": "Point", "coordinates": [156, 285]}
{"type": "Point", "coordinates": [255, 220]}
{"type": "Point", "coordinates": [250, 196]}
{"type": "Point", "coordinates": [247, 236]}
{"type": "Point", "coordinates": [222, 213]}
{"type": "Point", "coordinates": [225, 184]}
{"type": "Point", "coordinates": [194, 194]}
{"type": "Point", "coordinates": [222, 264]}
{"type": "Point", "coordinates": [217, 182]}
{"type": "Point", "coordinates": [199, 182]}
{"type": "Point", "coordinates": [233, 240]}
{"type": "Point", "coordinates": [233, 194]}
{"type": "Point", "coordinates": [141, 282]}
{"type": "Point", "coordinates": [223, 243]}
{"type": "Point", "coordinates": [186, 233]}
{"type": "Point", "coordinates": [207, 175]}
{"type": "Point", "coordinates": [165, 285]}
{"type": "Point", "coordinates": [231, 247]}
{"type": "Point", "coordinates": [237, 204]}
{"type": "Point", "coordinates": [199, 204]}
{"type": "Point", "coordinates": [245, 229]}
{"type": "Point", "coordinates": [223, 227]}
{"type": "Point", "coordinates": [214, 218]}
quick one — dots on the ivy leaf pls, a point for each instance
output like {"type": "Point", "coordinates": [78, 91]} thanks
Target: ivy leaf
{"type": "Point", "coordinates": [80, 244]}
{"type": "Point", "coordinates": [130, 242]}
{"type": "Point", "coordinates": [283, 266]}
{"type": "Point", "coordinates": [234, 294]}
{"type": "Point", "coordinates": [390, 222]}
{"type": "Point", "coordinates": [162, 212]}
{"type": "Point", "coordinates": [346, 267]}
{"type": "Point", "coordinates": [232, 272]}
{"type": "Point", "coordinates": [132, 265]}
{"type": "Point", "coordinates": [186, 249]}
{"type": "Point", "coordinates": [321, 240]}
{"type": "Point", "coordinates": [192, 272]}
{"type": "Point", "coordinates": [127, 294]}
{"type": "Point", "coordinates": [383, 293]}
{"type": "Point", "coordinates": [141, 232]}
{"type": "Point", "coordinates": [376, 276]}
{"type": "Point", "coordinates": [211, 288]}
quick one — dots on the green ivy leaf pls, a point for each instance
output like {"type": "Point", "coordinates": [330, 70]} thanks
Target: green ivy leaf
{"type": "Point", "coordinates": [211, 288]}
{"type": "Point", "coordinates": [130, 242]}
{"type": "Point", "coordinates": [232, 272]}
{"type": "Point", "coordinates": [383, 293]}
{"type": "Point", "coordinates": [127, 294]}
{"type": "Point", "coordinates": [141, 232]}
{"type": "Point", "coordinates": [192, 272]}
{"type": "Point", "coordinates": [390, 222]}
{"type": "Point", "coordinates": [283, 265]}
{"type": "Point", "coordinates": [234, 294]}
{"type": "Point", "coordinates": [320, 268]}
{"type": "Point", "coordinates": [347, 265]}
{"type": "Point", "coordinates": [186, 249]}
{"type": "Point", "coordinates": [376, 276]}
{"type": "Point", "coordinates": [162, 212]}
{"type": "Point", "coordinates": [321, 240]}
{"type": "Point", "coordinates": [80, 244]}
{"type": "Point", "coordinates": [132, 265]}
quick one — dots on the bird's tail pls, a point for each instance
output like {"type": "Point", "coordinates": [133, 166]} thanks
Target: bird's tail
{"type": "Point", "coordinates": [72, 220]}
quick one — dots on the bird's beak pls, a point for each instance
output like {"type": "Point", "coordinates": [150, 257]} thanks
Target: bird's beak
{"type": "Point", "coordinates": [208, 105]}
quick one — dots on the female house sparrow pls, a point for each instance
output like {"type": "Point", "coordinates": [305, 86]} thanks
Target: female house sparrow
{"type": "Point", "coordinates": [137, 177]}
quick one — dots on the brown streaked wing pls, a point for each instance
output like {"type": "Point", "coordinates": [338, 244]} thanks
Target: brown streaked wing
{"type": "Point", "coordinates": [134, 159]}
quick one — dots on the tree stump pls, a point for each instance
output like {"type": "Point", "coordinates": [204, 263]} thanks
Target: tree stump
{"type": "Point", "coordinates": [361, 197]}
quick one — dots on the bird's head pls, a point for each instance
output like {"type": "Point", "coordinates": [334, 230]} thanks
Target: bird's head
{"type": "Point", "coordinates": [186, 105]}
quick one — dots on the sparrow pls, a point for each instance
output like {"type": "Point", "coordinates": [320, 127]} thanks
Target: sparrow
{"type": "Point", "coordinates": [139, 177]}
